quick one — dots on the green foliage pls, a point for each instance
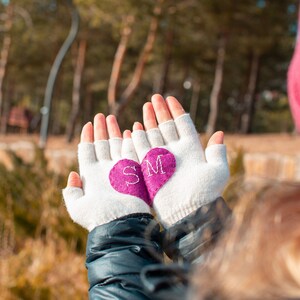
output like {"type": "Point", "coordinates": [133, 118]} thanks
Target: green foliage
{"type": "Point", "coordinates": [41, 249]}
{"type": "Point", "coordinates": [30, 199]}
{"type": "Point", "coordinates": [273, 115]}
{"type": "Point", "coordinates": [196, 26]}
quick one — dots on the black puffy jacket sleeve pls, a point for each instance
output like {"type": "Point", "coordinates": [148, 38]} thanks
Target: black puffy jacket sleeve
{"type": "Point", "coordinates": [116, 254]}
{"type": "Point", "coordinates": [125, 256]}
{"type": "Point", "coordinates": [191, 238]}
{"type": "Point", "coordinates": [186, 243]}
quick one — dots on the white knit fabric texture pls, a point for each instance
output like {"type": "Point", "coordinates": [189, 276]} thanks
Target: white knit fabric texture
{"type": "Point", "coordinates": [199, 178]}
{"type": "Point", "coordinates": [98, 202]}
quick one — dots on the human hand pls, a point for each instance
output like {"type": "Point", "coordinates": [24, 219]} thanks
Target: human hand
{"type": "Point", "coordinates": [112, 185]}
{"type": "Point", "coordinates": [179, 175]}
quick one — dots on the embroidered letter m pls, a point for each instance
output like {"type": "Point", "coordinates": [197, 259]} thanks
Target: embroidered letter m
{"type": "Point", "coordinates": [158, 169]}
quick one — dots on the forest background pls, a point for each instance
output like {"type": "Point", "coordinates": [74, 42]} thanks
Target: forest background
{"type": "Point", "coordinates": [226, 61]}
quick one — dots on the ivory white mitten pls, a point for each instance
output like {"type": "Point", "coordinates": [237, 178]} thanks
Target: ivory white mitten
{"type": "Point", "coordinates": [179, 176]}
{"type": "Point", "coordinates": [113, 184]}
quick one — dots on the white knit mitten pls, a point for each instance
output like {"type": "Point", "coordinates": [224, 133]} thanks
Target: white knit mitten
{"type": "Point", "coordinates": [113, 184]}
{"type": "Point", "coordinates": [179, 176]}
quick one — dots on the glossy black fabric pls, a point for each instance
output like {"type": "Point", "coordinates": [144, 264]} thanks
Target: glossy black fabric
{"type": "Point", "coordinates": [117, 252]}
{"type": "Point", "coordinates": [187, 243]}
{"type": "Point", "coordinates": [190, 238]}
{"type": "Point", "coordinates": [125, 256]}
{"type": "Point", "coordinates": [169, 281]}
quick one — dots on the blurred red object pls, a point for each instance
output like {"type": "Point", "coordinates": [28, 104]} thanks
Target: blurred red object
{"type": "Point", "coordinates": [294, 82]}
{"type": "Point", "coordinates": [19, 117]}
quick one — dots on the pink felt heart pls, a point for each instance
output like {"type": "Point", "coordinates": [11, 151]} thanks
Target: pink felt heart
{"type": "Point", "coordinates": [126, 177]}
{"type": "Point", "coordinates": [158, 166]}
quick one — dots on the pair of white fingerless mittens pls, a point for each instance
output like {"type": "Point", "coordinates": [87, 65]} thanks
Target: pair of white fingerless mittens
{"type": "Point", "coordinates": [165, 167]}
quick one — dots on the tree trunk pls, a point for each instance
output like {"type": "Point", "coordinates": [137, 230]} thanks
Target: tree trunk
{"type": "Point", "coordinates": [249, 98]}
{"type": "Point", "coordinates": [117, 64]}
{"type": "Point", "coordinates": [195, 100]}
{"type": "Point", "coordinates": [3, 61]}
{"type": "Point", "coordinates": [214, 96]}
{"type": "Point", "coordinates": [89, 103]}
{"type": "Point", "coordinates": [76, 90]}
{"type": "Point", "coordinates": [6, 108]}
{"type": "Point", "coordinates": [143, 58]}
{"type": "Point", "coordinates": [163, 84]}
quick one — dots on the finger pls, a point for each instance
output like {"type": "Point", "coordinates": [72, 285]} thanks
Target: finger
{"type": "Point", "coordinates": [168, 131]}
{"type": "Point", "coordinates": [86, 155]}
{"type": "Point", "coordinates": [216, 154]}
{"type": "Point", "coordinates": [115, 145]}
{"type": "Point", "coordinates": [102, 150]}
{"type": "Point", "coordinates": [185, 127]}
{"type": "Point", "coordinates": [71, 195]}
{"type": "Point", "coordinates": [127, 134]}
{"type": "Point", "coordinates": [87, 133]}
{"type": "Point", "coordinates": [86, 149]}
{"type": "Point", "coordinates": [155, 138]}
{"type": "Point", "coordinates": [115, 137]}
{"type": "Point", "coordinates": [161, 109]}
{"type": "Point", "coordinates": [149, 116]}
{"type": "Point", "coordinates": [128, 150]}
{"type": "Point", "coordinates": [137, 126]}
{"type": "Point", "coordinates": [216, 138]}
{"type": "Point", "coordinates": [174, 107]}
{"type": "Point", "coordinates": [113, 127]}
{"type": "Point", "coordinates": [186, 130]}
{"type": "Point", "coordinates": [74, 180]}
{"type": "Point", "coordinates": [141, 143]}
{"type": "Point", "coordinates": [100, 130]}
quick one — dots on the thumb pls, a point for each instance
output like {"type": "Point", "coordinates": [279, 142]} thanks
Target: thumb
{"type": "Point", "coordinates": [74, 180]}
{"type": "Point", "coordinates": [73, 191]}
{"type": "Point", "coordinates": [215, 152]}
{"type": "Point", "coordinates": [216, 138]}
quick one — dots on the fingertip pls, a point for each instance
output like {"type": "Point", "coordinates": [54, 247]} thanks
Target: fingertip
{"type": "Point", "coordinates": [127, 134]}
{"type": "Point", "coordinates": [149, 116]}
{"type": "Point", "coordinates": [87, 135]}
{"type": "Point", "coordinates": [147, 106]}
{"type": "Point", "coordinates": [111, 118]}
{"type": "Point", "coordinates": [113, 127]}
{"type": "Point", "coordinates": [171, 98]}
{"type": "Point", "coordinates": [219, 136]}
{"type": "Point", "coordinates": [74, 180]}
{"type": "Point", "coordinates": [137, 126]}
{"type": "Point", "coordinates": [99, 118]}
{"type": "Point", "coordinates": [99, 115]}
{"type": "Point", "coordinates": [100, 130]}
{"type": "Point", "coordinates": [216, 139]}
{"type": "Point", "coordinates": [157, 97]}
{"type": "Point", "coordinates": [161, 110]}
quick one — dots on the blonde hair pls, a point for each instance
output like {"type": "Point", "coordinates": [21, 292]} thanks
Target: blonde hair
{"type": "Point", "coordinates": [258, 257]}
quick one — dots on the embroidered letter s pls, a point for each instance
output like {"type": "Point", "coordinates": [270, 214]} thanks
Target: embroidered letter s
{"type": "Point", "coordinates": [136, 178]}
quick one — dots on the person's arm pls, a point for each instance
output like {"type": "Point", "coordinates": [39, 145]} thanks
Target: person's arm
{"type": "Point", "coordinates": [116, 254]}
{"type": "Point", "coordinates": [184, 179]}
{"type": "Point", "coordinates": [186, 243]}
{"type": "Point", "coordinates": [191, 238]}
{"type": "Point", "coordinates": [110, 200]}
